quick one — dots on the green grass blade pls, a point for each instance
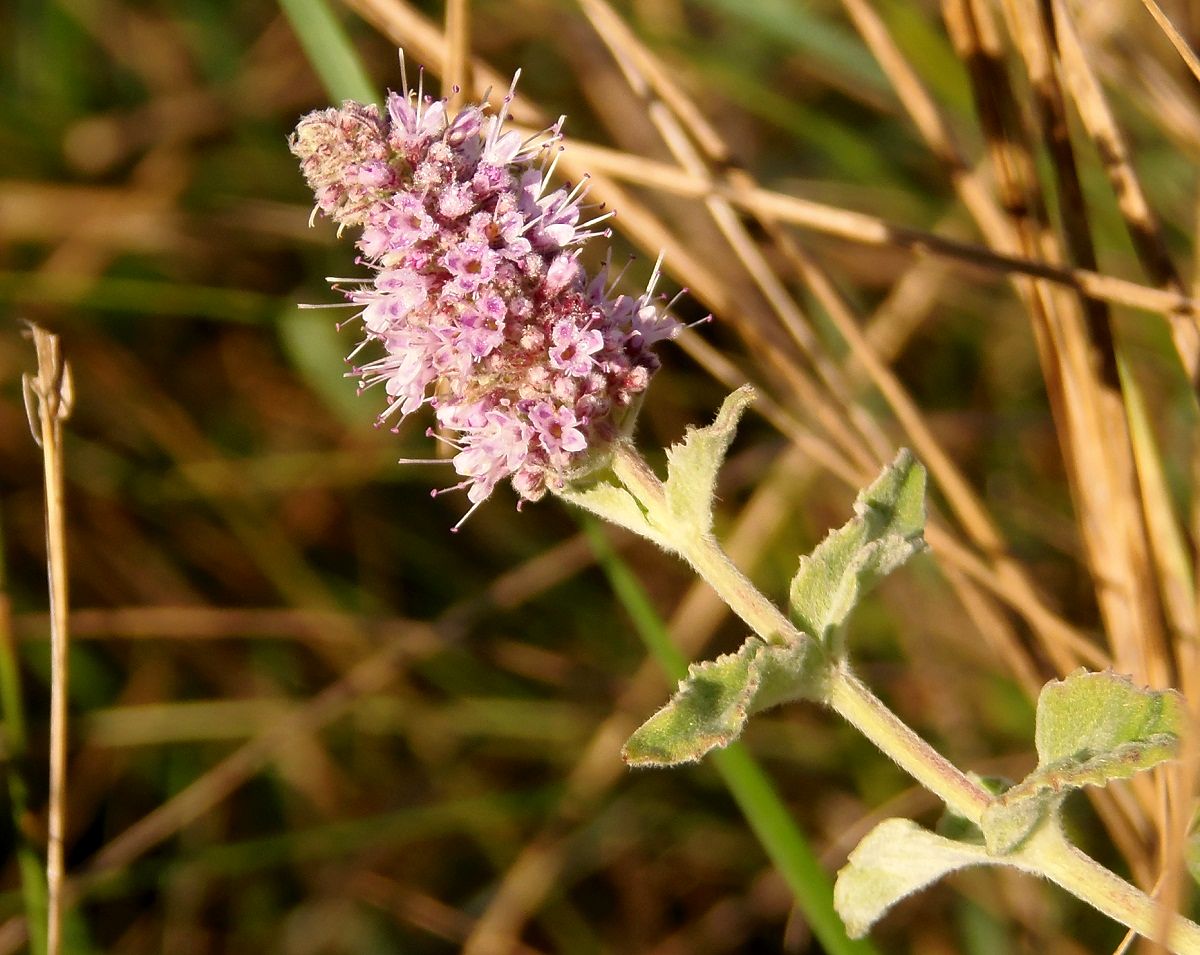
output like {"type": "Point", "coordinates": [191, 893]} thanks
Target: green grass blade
{"type": "Point", "coordinates": [329, 50]}
{"type": "Point", "coordinates": [749, 785]}
{"type": "Point", "coordinates": [12, 707]}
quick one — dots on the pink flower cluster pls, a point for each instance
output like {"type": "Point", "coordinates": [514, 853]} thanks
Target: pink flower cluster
{"type": "Point", "coordinates": [477, 296]}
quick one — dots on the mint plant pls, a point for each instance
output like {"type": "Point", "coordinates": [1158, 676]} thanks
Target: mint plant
{"type": "Point", "coordinates": [480, 309]}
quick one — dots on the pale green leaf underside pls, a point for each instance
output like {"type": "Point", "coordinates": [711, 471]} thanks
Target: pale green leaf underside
{"type": "Point", "coordinates": [895, 859]}
{"type": "Point", "coordinates": [603, 496]}
{"type": "Point", "coordinates": [713, 702]}
{"type": "Point", "coordinates": [1091, 728]}
{"type": "Point", "coordinates": [885, 531]}
{"type": "Point", "coordinates": [692, 465]}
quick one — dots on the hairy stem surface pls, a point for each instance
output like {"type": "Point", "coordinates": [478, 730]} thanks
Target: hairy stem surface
{"type": "Point", "coordinates": [1047, 852]}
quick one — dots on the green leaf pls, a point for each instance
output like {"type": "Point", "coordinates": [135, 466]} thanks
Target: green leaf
{"type": "Point", "coordinates": [714, 700]}
{"type": "Point", "coordinates": [603, 495]}
{"type": "Point", "coordinates": [1007, 824]}
{"type": "Point", "coordinates": [960, 828]}
{"type": "Point", "coordinates": [692, 466]}
{"type": "Point", "coordinates": [885, 531]}
{"type": "Point", "coordinates": [1092, 717]}
{"type": "Point", "coordinates": [1091, 728]}
{"type": "Point", "coordinates": [765, 810]}
{"type": "Point", "coordinates": [895, 859]}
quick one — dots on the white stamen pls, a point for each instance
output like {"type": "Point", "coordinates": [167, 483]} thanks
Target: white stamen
{"type": "Point", "coordinates": [655, 274]}
{"type": "Point", "coordinates": [551, 166]}
{"type": "Point", "coordinates": [462, 520]}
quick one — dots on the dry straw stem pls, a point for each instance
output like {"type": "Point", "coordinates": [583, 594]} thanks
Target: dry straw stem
{"type": "Point", "coordinates": [1174, 796]}
{"type": "Point", "coordinates": [48, 398]}
{"type": "Point", "coordinates": [1023, 247]}
{"type": "Point", "coordinates": [405, 25]}
{"type": "Point", "coordinates": [1077, 359]}
{"type": "Point", "coordinates": [865, 229]}
{"type": "Point", "coordinates": [644, 71]}
{"type": "Point", "coordinates": [456, 72]}
{"type": "Point", "coordinates": [1146, 479]}
{"type": "Point", "coordinates": [1165, 538]}
{"type": "Point", "coordinates": [1099, 445]}
{"type": "Point", "coordinates": [936, 132]}
{"type": "Point", "coordinates": [404, 642]}
{"type": "Point", "coordinates": [1177, 39]}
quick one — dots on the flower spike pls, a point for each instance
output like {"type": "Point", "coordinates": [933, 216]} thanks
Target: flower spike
{"type": "Point", "coordinates": [476, 296]}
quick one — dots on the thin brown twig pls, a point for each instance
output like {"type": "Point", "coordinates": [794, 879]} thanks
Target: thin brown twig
{"type": "Point", "coordinates": [48, 400]}
{"type": "Point", "coordinates": [1075, 354]}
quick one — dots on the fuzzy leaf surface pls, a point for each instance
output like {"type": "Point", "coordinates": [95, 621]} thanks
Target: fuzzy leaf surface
{"type": "Point", "coordinates": [895, 859]}
{"type": "Point", "coordinates": [692, 465]}
{"type": "Point", "coordinates": [603, 495]}
{"type": "Point", "coordinates": [1091, 728]}
{"type": "Point", "coordinates": [713, 702]}
{"type": "Point", "coordinates": [885, 532]}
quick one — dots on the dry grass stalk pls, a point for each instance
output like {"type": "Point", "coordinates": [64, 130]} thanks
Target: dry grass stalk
{"type": "Point", "coordinates": [1144, 228]}
{"type": "Point", "coordinates": [1078, 359]}
{"type": "Point", "coordinates": [736, 183]}
{"type": "Point", "coordinates": [48, 400]}
{"type": "Point", "coordinates": [1136, 473]}
{"type": "Point", "coordinates": [1171, 563]}
{"type": "Point", "coordinates": [844, 426]}
{"type": "Point", "coordinates": [1177, 39]}
{"type": "Point", "coordinates": [456, 72]}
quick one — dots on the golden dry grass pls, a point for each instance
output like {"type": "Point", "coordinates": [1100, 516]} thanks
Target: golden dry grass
{"type": "Point", "coordinates": [966, 229]}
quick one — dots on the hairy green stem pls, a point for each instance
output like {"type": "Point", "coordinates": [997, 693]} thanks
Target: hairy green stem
{"type": "Point", "coordinates": [1046, 853]}
{"type": "Point", "coordinates": [703, 553]}
{"type": "Point", "coordinates": [1049, 853]}
{"type": "Point", "coordinates": [856, 704]}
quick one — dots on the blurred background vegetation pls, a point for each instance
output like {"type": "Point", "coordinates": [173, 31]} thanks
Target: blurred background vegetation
{"type": "Point", "coordinates": [308, 719]}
